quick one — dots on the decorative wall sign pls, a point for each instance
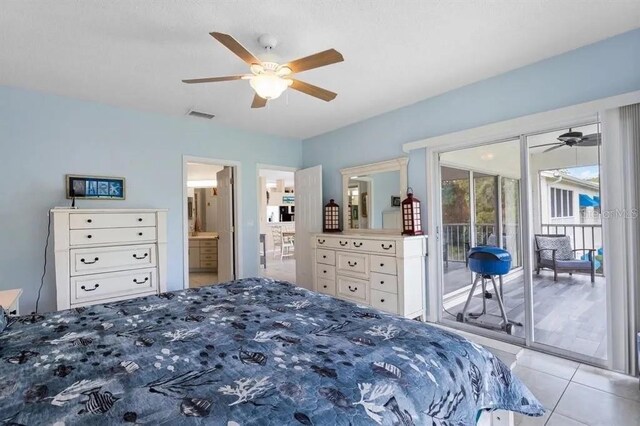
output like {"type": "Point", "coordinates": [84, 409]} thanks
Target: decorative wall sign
{"type": "Point", "coordinates": [95, 187]}
{"type": "Point", "coordinates": [288, 199]}
{"type": "Point", "coordinates": [395, 201]}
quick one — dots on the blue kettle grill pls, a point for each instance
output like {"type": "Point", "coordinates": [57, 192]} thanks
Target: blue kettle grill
{"type": "Point", "coordinates": [488, 262]}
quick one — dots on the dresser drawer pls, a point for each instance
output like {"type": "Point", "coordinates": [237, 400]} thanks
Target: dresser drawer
{"type": "Point", "coordinates": [384, 282]}
{"type": "Point", "coordinates": [355, 264]}
{"type": "Point", "coordinates": [333, 242]}
{"type": "Point", "coordinates": [209, 264]}
{"type": "Point", "coordinates": [110, 220]}
{"type": "Point", "coordinates": [326, 272]}
{"type": "Point", "coordinates": [352, 288]}
{"type": "Point", "coordinates": [378, 246]}
{"type": "Point", "coordinates": [95, 260]}
{"type": "Point", "coordinates": [383, 264]}
{"type": "Point", "coordinates": [209, 243]}
{"type": "Point", "coordinates": [327, 257]}
{"type": "Point", "coordinates": [384, 301]}
{"type": "Point", "coordinates": [327, 286]}
{"type": "Point", "coordinates": [82, 237]}
{"type": "Point", "coordinates": [115, 284]}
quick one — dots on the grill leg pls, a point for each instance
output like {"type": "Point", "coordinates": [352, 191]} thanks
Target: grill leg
{"type": "Point", "coordinates": [463, 317]}
{"type": "Point", "coordinates": [500, 304]}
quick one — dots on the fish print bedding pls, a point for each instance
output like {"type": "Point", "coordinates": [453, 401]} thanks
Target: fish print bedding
{"type": "Point", "coordinates": [249, 352]}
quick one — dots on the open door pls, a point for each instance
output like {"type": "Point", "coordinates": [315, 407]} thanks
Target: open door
{"type": "Point", "coordinates": [308, 184]}
{"type": "Point", "coordinates": [226, 230]}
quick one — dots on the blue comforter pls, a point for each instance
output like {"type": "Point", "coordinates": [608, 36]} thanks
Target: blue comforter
{"type": "Point", "coordinates": [248, 352]}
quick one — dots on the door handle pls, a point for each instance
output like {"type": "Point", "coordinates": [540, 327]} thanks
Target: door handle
{"type": "Point", "coordinates": [95, 286]}
{"type": "Point", "coordinates": [135, 256]}
{"type": "Point", "coordinates": [135, 280]}
{"type": "Point", "coordinates": [89, 263]}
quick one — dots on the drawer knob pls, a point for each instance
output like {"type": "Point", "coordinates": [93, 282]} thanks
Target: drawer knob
{"type": "Point", "coordinates": [325, 271]}
{"type": "Point", "coordinates": [381, 300]}
{"type": "Point", "coordinates": [140, 257]}
{"type": "Point", "coordinates": [95, 286]}
{"type": "Point", "coordinates": [140, 234]}
{"type": "Point", "coordinates": [89, 236]}
{"type": "Point", "coordinates": [344, 243]}
{"type": "Point", "coordinates": [324, 286]}
{"type": "Point", "coordinates": [324, 256]}
{"type": "Point", "coordinates": [89, 220]}
{"type": "Point", "coordinates": [135, 280]}
{"type": "Point", "coordinates": [95, 259]}
{"type": "Point", "coordinates": [356, 244]}
{"type": "Point", "coordinates": [353, 290]}
{"type": "Point", "coordinates": [387, 247]}
{"type": "Point", "coordinates": [352, 264]}
{"type": "Point", "coordinates": [139, 219]}
{"type": "Point", "coordinates": [381, 282]}
{"type": "Point", "coordinates": [382, 265]}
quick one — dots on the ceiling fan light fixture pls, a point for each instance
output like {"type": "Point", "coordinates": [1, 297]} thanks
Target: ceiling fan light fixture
{"type": "Point", "coordinates": [268, 85]}
{"type": "Point", "coordinates": [570, 136]}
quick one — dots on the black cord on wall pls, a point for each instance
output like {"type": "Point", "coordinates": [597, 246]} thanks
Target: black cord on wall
{"type": "Point", "coordinates": [44, 268]}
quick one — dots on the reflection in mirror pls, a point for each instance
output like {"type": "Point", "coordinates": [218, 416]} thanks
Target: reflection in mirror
{"type": "Point", "coordinates": [374, 201]}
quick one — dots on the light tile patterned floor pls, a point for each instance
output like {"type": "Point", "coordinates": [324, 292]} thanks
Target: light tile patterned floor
{"type": "Point", "coordinates": [283, 270]}
{"type": "Point", "coordinates": [577, 394]}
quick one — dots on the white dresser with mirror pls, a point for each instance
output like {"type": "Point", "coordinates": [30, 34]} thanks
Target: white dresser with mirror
{"type": "Point", "coordinates": [108, 255]}
{"type": "Point", "coordinates": [371, 262]}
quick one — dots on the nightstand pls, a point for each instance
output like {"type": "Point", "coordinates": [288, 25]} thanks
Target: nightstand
{"type": "Point", "coordinates": [10, 300]}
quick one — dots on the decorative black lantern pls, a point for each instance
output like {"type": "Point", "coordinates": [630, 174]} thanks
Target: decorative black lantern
{"type": "Point", "coordinates": [331, 217]}
{"type": "Point", "coordinates": [411, 222]}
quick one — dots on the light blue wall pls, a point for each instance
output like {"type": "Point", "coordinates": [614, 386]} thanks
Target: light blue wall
{"type": "Point", "coordinates": [606, 68]}
{"type": "Point", "coordinates": [384, 185]}
{"type": "Point", "coordinates": [44, 137]}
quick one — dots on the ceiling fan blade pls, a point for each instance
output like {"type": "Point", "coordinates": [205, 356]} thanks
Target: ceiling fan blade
{"type": "Point", "coordinates": [590, 140]}
{"type": "Point", "coordinates": [560, 145]}
{"type": "Point", "coordinates": [547, 144]}
{"type": "Point", "coordinates": [258, 102]}
{"type": "Point", "coordinates": [233, 45]}
{"type": "Point", "coordinates": [213, 79]}
{"type": "Point", "coordinates": [315, 91]}
{"type": "Point", "coordinates": [316, 60]}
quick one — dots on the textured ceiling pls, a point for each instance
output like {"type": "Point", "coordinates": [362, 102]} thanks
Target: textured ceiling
{"type": "Point", "coordinates": [134, 53]}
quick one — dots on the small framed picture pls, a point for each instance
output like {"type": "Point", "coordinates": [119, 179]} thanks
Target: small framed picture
{"type": "Point", "coordinates": [95, 187]}
{"type": "Point", "coordinates": [395, 201]}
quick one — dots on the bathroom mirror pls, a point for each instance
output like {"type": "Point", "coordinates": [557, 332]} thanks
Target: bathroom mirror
{"type": "Point", "coordinates": [371, 196]}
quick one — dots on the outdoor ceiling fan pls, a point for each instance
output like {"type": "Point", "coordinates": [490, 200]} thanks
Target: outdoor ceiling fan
{"type": "Point", "coordinates": [269, 79]}
{"type": "Point", "coordinates": [572, 139]}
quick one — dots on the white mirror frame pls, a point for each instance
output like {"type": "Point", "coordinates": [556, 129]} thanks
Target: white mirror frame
{"type": "Point", "coordinates": [399, 164]}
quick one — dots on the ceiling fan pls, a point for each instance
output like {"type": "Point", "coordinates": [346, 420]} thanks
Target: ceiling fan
{"type": "Point", "coordinates": [269, 79]}
{"type": "Point", "coordinates": [572, 139]}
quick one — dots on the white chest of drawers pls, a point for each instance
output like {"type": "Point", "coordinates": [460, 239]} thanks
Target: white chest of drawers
{"type": "Point", "coordinates": [108, 255]}
{"type": "Point", "coordinates": [383, 271]}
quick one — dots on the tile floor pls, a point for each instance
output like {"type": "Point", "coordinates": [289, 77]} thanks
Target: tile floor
{"type": "Point", "coordinates": [283, 270]}
{"type": "Point", "coordinates": [576, 394]}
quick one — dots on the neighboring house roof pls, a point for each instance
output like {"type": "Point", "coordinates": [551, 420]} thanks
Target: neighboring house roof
{"type": "Point", "coordinates": [567, 179]}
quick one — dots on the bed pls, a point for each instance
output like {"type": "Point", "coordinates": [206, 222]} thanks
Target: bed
{"type": "Point", "coordinates": [253, 351]}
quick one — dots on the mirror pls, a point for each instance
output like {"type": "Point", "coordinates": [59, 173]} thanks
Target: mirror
{"type": "Point", "coordinates": [372, 194]}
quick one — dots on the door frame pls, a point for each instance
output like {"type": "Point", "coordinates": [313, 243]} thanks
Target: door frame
{"type": "Point", "coordinates": [237, 212]}
{"type": "Point", "coordinates": [622, 321]}
{"type": "Point", "coordinates": [262, 166]}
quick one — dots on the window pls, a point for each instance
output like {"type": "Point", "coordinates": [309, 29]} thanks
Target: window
{"type": "Point", "coordinates": [561, 201]}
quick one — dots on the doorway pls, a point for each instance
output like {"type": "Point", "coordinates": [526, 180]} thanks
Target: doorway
{"type": "Point", "coordinates": [538, 198]}
{"type": "Point", "coordinates": [276, 214]}
{"type": "Point", "coordinates": [210, 216]}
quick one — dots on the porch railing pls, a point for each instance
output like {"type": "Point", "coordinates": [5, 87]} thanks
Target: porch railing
{"type": "Point", "coordinates": [457, 237]}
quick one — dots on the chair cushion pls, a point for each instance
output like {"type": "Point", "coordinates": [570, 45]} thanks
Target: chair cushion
{"type": "Point", "coordinates": [561, 244]}
{"type": "Point", "coordinates": [574, 264]}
